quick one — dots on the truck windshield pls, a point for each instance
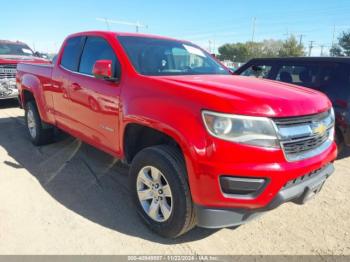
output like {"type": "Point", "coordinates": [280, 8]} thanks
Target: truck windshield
{"type": "Point", "coordinates": [157, 57]}
{"type": "Point", "coordinates": [15, 49]}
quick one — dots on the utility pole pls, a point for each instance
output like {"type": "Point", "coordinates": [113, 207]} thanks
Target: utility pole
{"type": "Point", "coordinates": [322, 47]}
{"type": "Point", "coordinates": [212, 46]}
{"type": "Point", "coordinates": [253, 29]}
{"type": "Point", "coordinates": [333, 39]}
{"type": "Point", "coordinates": [137, 25]}
{"type": "Point", "coordinates": [301, 36]}
{"type": "Point", "coordinates": [311, 46]}
{"type": "Point", "coordinates": [209, 41]}
{"type": "Point", "coordinates": [287, 33]}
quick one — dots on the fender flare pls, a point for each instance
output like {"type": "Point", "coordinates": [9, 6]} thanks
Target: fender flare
{"type": "Point", "coordinates": [189, 150]}
{"type": "Point", "coordinates": [32, 84]}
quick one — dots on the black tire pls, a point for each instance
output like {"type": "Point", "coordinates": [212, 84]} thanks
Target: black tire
{"type": "Point", "coordinates": [170, 162]}
{"type": "Point", "coordinates": [44, 133]}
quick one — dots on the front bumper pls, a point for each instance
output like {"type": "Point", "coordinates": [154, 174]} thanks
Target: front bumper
{"type": "Point", "coordinates": [220, 158]}
{"type": "Point", "coordinates": [297, 191]}
{"type": "Point", "coordinates": [8, 89]}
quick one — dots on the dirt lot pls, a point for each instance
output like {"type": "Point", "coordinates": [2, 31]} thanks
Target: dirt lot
{"type": "Point", "coordinates": [69, 198]}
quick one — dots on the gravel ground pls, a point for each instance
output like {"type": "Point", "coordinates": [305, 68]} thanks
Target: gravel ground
{"type": "Point", "coordinates": [69, 198]}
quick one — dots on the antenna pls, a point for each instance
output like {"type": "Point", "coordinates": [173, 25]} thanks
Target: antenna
{"type": "Point", "coordinates": [137, 25]}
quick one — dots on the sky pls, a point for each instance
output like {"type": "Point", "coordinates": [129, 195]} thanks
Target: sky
{"type": "Point", "coordinates": [43, 25]}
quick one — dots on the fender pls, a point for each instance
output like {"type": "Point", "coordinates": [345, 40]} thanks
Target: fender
{"type": "Point", "coordinates": [192, 138]}
{"type": "Point", "coordinates": [32, 84]}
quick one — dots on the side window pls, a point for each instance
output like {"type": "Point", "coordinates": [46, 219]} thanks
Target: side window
{"type": "Point", "coordinates": [335, 80]}
{"type": "Point", "coordinates": [303, 75]}
{"type": "Point", "coordinates": [258, 71]}
{"type": "Point", "coordinates": [71, 53]}
{"type": "Point", "coordinates": [96, 48]}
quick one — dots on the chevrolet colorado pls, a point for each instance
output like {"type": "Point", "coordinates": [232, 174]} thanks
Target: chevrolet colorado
{"type": "Point", "coordinates": [205, 147]}
{"type": "Point", "coordinates": [12, 53]}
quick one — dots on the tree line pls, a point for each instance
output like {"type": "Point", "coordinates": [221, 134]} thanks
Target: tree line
{"type": "Point", "coordinates": [342, 48]}
{"type": "Point", "coordinates": [242, 52]}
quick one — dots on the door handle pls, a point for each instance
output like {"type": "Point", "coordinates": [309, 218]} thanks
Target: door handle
{"type": "Point", "coordinates": [76, 87]}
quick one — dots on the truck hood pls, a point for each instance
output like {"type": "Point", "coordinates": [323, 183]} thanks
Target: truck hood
{"type": "Point", "coordinates": [250, 96]}
{"type": "Point", "coordinates": [15, 59]}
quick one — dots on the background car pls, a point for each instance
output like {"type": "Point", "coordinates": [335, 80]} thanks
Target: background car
{"type": "Point", "coordinates": [330, 75]}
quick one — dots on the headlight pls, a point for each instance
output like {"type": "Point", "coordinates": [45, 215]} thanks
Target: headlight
{"type": "Point", "coordinates": [256, 131]}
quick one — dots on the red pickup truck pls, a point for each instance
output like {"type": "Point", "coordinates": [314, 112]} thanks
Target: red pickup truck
{"type": "Point", "coordinates": [12, 53]}
{"type": "Point", "coordinates": [205, 147]}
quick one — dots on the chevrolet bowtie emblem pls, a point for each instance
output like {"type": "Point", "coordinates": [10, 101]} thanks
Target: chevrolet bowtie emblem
{"type": "Point", "coordinates": [319, 129]}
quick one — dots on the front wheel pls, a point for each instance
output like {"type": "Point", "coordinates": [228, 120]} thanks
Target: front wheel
{"type": "Point", "coordinates": [39, 132]}
{"type": "Point", "coordinates": [160, 191]}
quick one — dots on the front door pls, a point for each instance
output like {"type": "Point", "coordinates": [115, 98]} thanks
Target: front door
{"type": "Point", "coordinates": [95, 102]}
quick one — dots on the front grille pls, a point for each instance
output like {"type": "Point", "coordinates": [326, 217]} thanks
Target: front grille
{"type": "Point", "coordinates": [303, 137]}
{"type": "Point", "coordinates": [305, 144]}
{"type": "Point", "coordinates": [8, 71]}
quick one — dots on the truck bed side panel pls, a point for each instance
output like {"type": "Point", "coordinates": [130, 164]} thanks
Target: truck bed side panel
{"type": "Point", "coordinates": [36, 79]}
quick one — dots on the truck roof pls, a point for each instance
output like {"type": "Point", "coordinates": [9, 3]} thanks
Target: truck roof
{"type": "Point", "coordinates": [110, 33]}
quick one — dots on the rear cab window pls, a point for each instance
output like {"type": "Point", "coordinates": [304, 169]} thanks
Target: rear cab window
{"type": "Point", "coordinates": [71, 53]}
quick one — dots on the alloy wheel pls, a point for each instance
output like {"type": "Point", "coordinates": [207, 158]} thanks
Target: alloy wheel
{"type": "Point", "coordinates": [154, 194]}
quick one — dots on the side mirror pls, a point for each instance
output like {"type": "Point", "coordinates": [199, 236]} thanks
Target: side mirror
{"type": "Point", "coordinates": [103, 69]}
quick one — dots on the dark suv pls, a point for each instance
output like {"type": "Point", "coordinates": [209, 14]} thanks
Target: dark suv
{"type": "Point", "coordinates": [329, 75]}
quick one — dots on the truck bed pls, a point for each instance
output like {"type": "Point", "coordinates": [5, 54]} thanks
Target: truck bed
{"type": "Point", "coordinates": [39, 70]}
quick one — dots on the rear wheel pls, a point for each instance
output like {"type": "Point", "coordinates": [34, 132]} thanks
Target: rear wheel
{"type": "Point", "coordinates": [160, 191]}
{"type": "Point", "coordinates": [39, 132]}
